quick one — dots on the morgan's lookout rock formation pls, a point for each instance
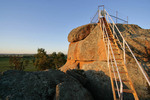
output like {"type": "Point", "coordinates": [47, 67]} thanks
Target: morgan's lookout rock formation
{"type": "Point", "coordinates": [85, 76]}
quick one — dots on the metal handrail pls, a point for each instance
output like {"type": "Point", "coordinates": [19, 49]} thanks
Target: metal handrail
{"type": "Point", "coordinates": [120, 92]}
{"type": "Point", "coordinates": [95, 16]}
{"type": "Point", "coordinates": [125, 43]}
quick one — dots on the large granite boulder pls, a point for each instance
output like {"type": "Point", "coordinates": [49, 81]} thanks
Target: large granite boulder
{"type": "Point", "coordinates": [80, 33]}
{"type": "Point", "coordinates": [89, 49]}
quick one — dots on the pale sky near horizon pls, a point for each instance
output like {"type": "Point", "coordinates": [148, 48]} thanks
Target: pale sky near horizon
{"type": "Point", "coordinates": [26, 25]}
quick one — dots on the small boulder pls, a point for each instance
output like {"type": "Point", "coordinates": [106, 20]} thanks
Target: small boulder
{"type": "Point", "coordinates": [72, 90]}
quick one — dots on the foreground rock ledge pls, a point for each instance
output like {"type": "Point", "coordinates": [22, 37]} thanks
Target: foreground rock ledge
{"type": "Point", "coordinates": [54, 85]}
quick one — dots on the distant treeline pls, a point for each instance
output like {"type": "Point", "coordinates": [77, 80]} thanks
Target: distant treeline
{"type": "Point", "coordinates": [41, 60]}
{"type": "Point", "coordinates": [19, 55]}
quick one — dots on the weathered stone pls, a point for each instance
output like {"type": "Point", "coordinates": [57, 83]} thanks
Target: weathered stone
{"type": "Point", "coordinates": [20, 85]}
{"type": "Point", "coordinates": [72, 90]}
{"type": "Point", "coordinates": [89, 53]}
{"type": "Point", "coordinates": [99, 85]}
{"type": "Point", "coordinates": [86, 49]}
{"type": "Point", "coordinates": [97, 66]}
{"type": "Point", "coordinates": [80, 33]}
{"type": "Point", "coordinates": [90, 49]}
{"type": "Point", "coordinates": [69, 65]}
{"type": "Point", "coordinates": [79, 75]}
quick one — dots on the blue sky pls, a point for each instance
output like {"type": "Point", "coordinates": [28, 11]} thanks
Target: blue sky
{"type": "Point", "coordinates": [26, 25]}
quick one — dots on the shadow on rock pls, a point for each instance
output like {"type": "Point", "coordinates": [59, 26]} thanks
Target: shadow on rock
{"type": "Point", "coordinates": [55, 85]}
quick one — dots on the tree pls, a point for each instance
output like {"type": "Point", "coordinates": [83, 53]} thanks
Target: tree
{"type": "Point", "coordinates": [16, 63]}
{"type": "Point", "coordinates": [26, 62]}
{"type": "Point", "coordinates": [61, 59]}
{"type": "Point", "coordinates": [11, 60]}
{"type": "Point", "coordinates": [58, 60]}
{"type": "Point", "coordinates": [53, 61]}
{"type": "Point", "coordinates": [42, 60]}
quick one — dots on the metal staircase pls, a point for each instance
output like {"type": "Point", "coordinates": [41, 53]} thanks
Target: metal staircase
{"type": "Point", "coordinates": [118, 72]}
{"type": "Point", "coordinates": [122, 86]}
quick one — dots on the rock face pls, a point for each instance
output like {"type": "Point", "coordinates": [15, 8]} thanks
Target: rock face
{"type": "Point", "coordinates": [19, 85]}
{"type": "Point", "coordinates": [55, 85]}
{"type": "Point", "coordinates": [139, 41]}
{"type": "Point", "coordinates": [46, 85]}
{"type": "Point", "coordinates": [87, 52]}
{"type": "Point", "coordinates": [99, 85]}
{"type": "Point", "coordinates": [90, 48]}
{"type": "Point", "coordinates": [72, 90]}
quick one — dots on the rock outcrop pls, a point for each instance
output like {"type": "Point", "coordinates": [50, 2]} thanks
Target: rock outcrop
{"type": "Point", "coordinates": [90, 48]}
{"type": "Point", "coordinates": [139, 41]}
{"type": "Point", "coordinates": [54, 85]}
{"type": "Point", "coordinates": [20, 85]}
{"type": "Point", "coordinates": [87, 51]}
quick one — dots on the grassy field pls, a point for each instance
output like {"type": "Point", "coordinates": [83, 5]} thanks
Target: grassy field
{"type": "Point", "coordinates": [4, 64]}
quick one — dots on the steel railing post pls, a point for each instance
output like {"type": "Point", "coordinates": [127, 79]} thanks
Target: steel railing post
{"type": "Point", "coordinates": [121, 91]}
{"type": "Point", "coordinates": [124, 52]}
{"type": "Point", "coordinates": [108, 52]}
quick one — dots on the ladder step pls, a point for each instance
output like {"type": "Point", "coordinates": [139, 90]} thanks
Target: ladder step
{"type": "Point", "coordinates": [120, 72]}
{"type": "Point", "coordinates": [118, 65]}
{"type": "Point", "coordinates": [110, 38]}
{"type": "Point", "coordinates": [116, 59]}
{"type": "Point", "coordinates": [110, 42]}
{"type": "Point", "coordinates": [114, 49]}
{"type": "Point", "coordinates": [121, 80]}
{"type": "Point", "coordinates": [116, 54]}
{"type": "Point", "coordinates": [112, 45]}
{"type": "Point", "coordinates": [110, 34]}
{"type": "Point", "coordinates": [125, 81]}
{"type": "Point", "coordinates": [126, 90]}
